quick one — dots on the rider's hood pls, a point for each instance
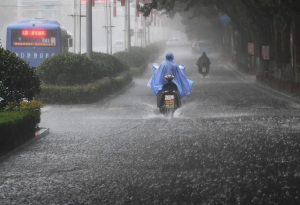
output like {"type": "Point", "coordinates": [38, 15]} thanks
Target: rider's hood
{"type": "Point", "coordinates": [169, 67]}
{"type": "Point", "coordinates": [169, 56]}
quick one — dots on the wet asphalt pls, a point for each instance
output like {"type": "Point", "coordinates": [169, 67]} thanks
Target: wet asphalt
{"type": "Point", "coordinates": [123, 151]}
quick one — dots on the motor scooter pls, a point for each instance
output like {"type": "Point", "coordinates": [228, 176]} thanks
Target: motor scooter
{"type": "Point", "coordinates": [203, 69]}
{"type": "Point", "coordinates": [168, 99]}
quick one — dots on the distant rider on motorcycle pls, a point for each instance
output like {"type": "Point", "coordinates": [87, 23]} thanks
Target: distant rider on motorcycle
{"type": "Point", "coordinates": [203, 61]}
{"type": "Point", "coordinates": [169, 67]}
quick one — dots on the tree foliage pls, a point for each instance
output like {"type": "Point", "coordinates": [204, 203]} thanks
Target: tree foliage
{"type": "Point", "coordinates": [17, 79]}
{"type": "Point", "coordinates": [241, 12]}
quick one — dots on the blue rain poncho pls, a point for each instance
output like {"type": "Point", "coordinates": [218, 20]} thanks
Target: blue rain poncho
{"type": "Point", "coordinates": [169, 67]}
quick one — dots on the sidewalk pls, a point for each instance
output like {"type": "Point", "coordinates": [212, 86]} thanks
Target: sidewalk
{"type": "Point", "coordinates": [286, 93]}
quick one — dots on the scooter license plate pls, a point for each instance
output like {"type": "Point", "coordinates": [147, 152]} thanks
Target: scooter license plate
{"type": "Point", "coordinates": [169, 99]}
{"type": "Point", "coordinates": [203, 69]}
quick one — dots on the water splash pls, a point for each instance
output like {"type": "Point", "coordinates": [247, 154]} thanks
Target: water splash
{"type": "Point", "coordinates": [153, 112]}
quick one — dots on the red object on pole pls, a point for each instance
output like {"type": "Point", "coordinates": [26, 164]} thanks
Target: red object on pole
{"type": "Point", "coordinates": [251, 49]}
{"type": "Point", "coordinates": [151, 16]}
{"type": "Point", "coordinates": [122, 2]}
{"type": "Point", "coordinates": [265, 52]}
{"type": "Point", "coordinates": [137, 13]}
{"type": "Point", "coordinates": [93, 1]}
{"type": "Point", "coordinates": [115, 8]}
{"type": "Point", "coordinates": [155, 19]}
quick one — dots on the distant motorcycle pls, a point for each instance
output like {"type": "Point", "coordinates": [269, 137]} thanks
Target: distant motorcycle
{"type": "Point", "coordinates": [168, 99]}
{"type": "Point", "coordinates": [203, 69]}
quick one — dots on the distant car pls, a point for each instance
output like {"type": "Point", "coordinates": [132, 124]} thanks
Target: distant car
{"type": "Point", "coordinates": [195, 47]}
{"type": "Point", "coordinates": [118, 46]}
{"type": "Point", "coordinates": [173, 42]}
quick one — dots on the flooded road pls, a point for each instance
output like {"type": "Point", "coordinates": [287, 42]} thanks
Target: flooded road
{"type": "Point", "coordinates": [232, 142]}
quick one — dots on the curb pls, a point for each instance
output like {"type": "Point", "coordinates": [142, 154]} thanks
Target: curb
{"type": "Point", "coordinates": [274, 91]}
{"type": "Point", "coordinates": [233, 68]}
{"type": "Point", "coordinates": [262, 86]}
{"type": "Point", "coordinates": [38, 135]}
{"type": "Point", "coordinates": [110, 97]}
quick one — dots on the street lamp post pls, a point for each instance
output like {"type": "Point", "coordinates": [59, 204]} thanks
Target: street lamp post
{"type": "Point", "coordinates": [128, 25]}
{"type": "Point", "coordinates": [79, 25]}
{"type": "Point", "coordinates": [89, 35]}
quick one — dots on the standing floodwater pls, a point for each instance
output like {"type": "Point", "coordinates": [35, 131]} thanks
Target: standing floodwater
{"type": "Point", "coordinates": [231, 142]}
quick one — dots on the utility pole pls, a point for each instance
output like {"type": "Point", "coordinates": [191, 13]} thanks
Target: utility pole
{"type": "Point", "coordinates": [89, 29]}
{"type": "Point", "coordinates": [128, 26]}
{"type": "Point", "coordinates": [79, 25]}
{"type": "Point", "coordinates": [144, 32]}
{"type": "Point", "coordinates": [106, 23]}
{"type": "Point", "coordinates": [125, 26]}
{"type": "Point", "coordinates": [74, 26]}
{"type": "Point", "coordinates": [148, 24]}
{"type": "Point", "coordinates": [110, 28]}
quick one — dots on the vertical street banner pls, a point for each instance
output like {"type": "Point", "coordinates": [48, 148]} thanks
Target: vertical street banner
{"type": "Point", "coordinates": [265, 52]}
{"type": "Point", "coordinates": [154, 18]}
{"type": "Point", "coordinates": [122, 2]}
{"type": "Point", "coordinates": [251, 49]}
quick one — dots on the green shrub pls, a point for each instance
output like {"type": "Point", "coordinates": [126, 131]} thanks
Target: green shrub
{"type": "Point", "coordinates": [17, 79]}
{"type": "Point", "coordinates": [132, 59]}
{"type": "Point", "coordinates": [138, 71]}
{"type": "Point", "coordinates": [86, 93]}
{"type": "Point", "coordinates": [141, 52]}
{"type": "Point", "coordinates": [112, 64]}
{"type": "Point", "coordinates": [16, 127]}
{"type": "Point", "coordinates": [70, 69]}
{"type": "Point", "coordinates": [157, 48]}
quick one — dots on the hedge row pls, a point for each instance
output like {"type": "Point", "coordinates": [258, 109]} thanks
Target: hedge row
{"type": "Point", "coordinates": [84, 93]}
{"type": "Point", "coordinates": [112, 65]}
{"type": "Point", "coordinates": [73, 78]}
{"type": "Point", "coordinates": [139, 70]}
{"type": "Point", "coordinates": [139, 57]}
{"type": "Point", "coordinates": [16, 127]}
{"type": "Point", "coordinates": [69, 69]}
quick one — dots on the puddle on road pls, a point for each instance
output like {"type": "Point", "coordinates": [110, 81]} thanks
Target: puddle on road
{"type": "Point", "coordinates": [191, 111]}
{"type": "Point", "coordinates": [179, 113]}
{"type": "Point", "coordinates": [153, 112]}
{"type": "Point", "coordinates": [295, 105]}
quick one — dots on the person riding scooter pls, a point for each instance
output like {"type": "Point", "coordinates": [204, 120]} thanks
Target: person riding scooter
{"type": "Point", "coordinates": [169, 67]}
{"type": "Point", "coordinates": [203, 61]}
